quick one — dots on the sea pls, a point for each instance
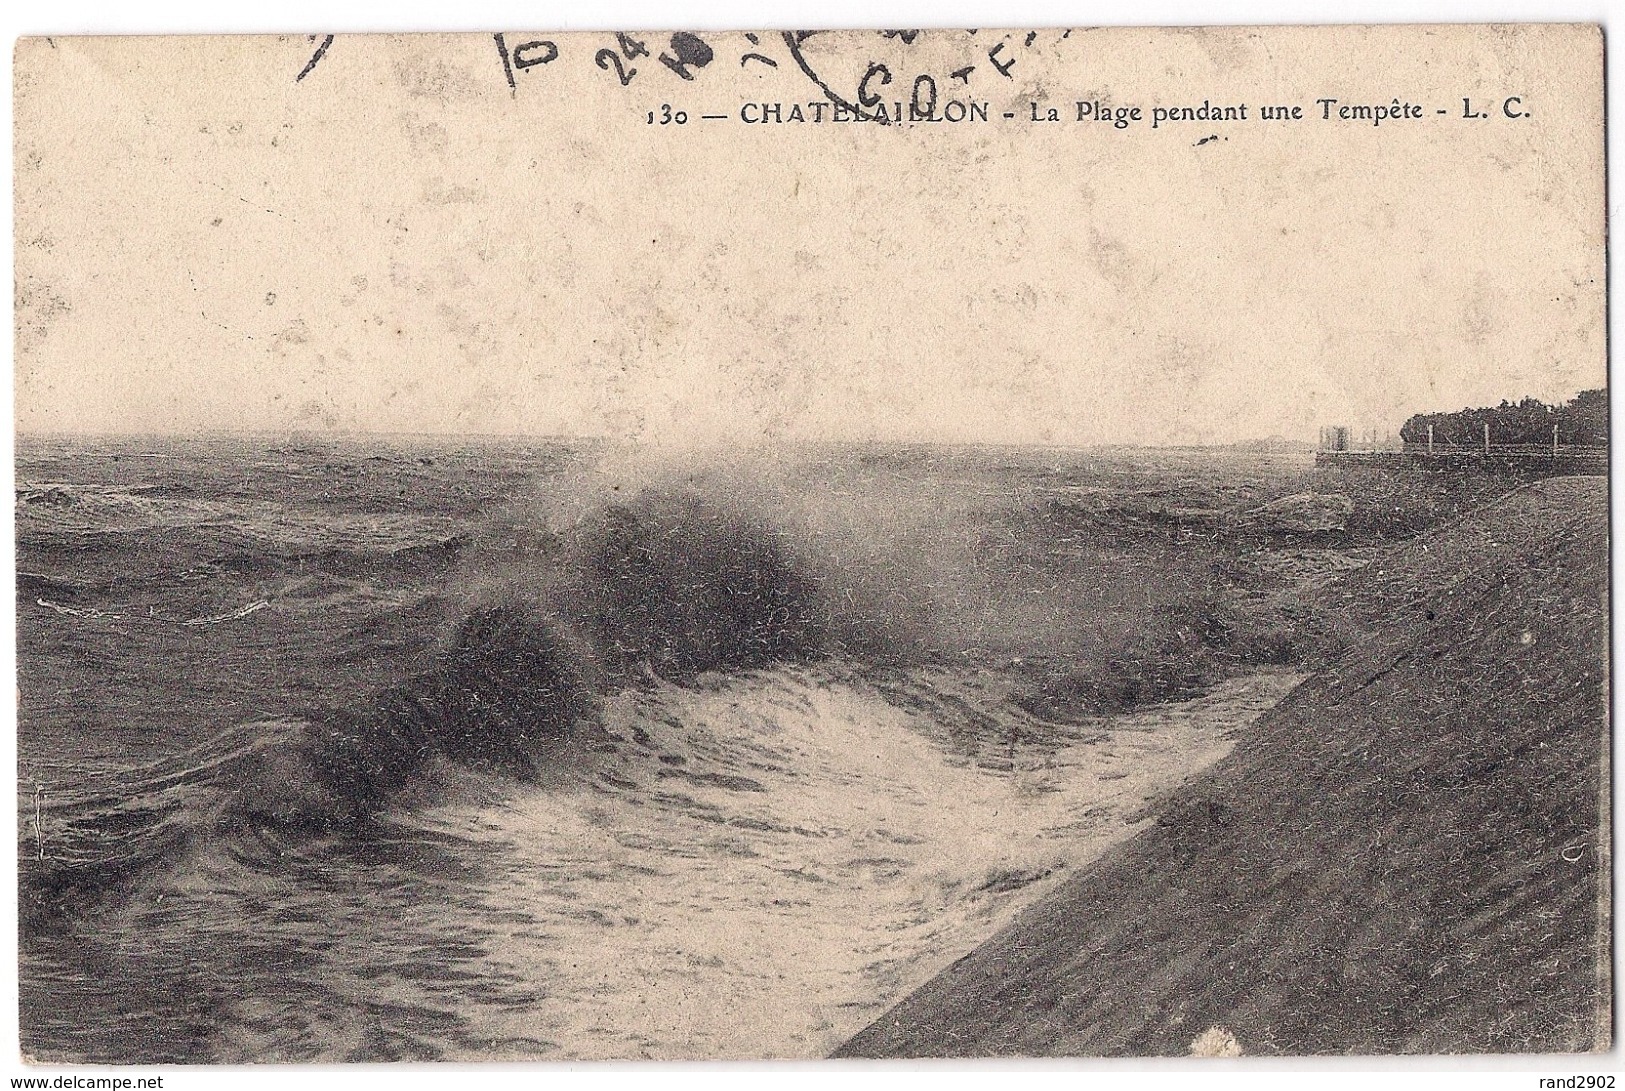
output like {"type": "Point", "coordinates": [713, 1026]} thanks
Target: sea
{"type": "Point", "coordinates": [417, 748]}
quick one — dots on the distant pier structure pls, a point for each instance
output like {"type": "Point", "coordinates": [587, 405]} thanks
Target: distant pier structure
{"type": "Point", "coordinates": [1341, 445]}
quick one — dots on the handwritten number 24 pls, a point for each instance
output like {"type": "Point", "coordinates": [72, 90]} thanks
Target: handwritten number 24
{"type": "Point", "coordinates": [631, 49]}
{"type": "Point", "coordinates": [607, 57]}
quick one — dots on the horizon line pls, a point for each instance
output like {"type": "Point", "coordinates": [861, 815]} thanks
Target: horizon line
{"type": "Point", "coordinates": [556, 437]}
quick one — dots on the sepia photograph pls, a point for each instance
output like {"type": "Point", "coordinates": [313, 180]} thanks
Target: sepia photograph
{"type": "Point", "coordinates": [761, 545]}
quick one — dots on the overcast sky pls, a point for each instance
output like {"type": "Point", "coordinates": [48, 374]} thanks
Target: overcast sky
{"type": "Point", "coordinates": [401, 243]}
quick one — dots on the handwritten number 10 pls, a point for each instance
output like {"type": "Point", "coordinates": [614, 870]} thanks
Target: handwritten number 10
{"type": "Point", "coordinates": [667, 116]}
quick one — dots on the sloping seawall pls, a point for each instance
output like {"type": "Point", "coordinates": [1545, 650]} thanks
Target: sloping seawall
{"type": "Point", "coordinates": [1409, 854]}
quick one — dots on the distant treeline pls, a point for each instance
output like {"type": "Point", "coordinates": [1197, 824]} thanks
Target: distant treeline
{"type": "Point", "coordinates": [1580, 422]}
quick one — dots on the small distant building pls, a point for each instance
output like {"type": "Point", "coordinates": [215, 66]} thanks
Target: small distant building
{"type": "Point", "coordinates": [1336, 438]}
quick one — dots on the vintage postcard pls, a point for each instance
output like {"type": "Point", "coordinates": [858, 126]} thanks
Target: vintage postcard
{"type": "Point", "coordinates": [767, 544]}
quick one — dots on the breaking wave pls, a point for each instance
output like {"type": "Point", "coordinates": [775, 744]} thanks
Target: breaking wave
{"type": "Point", "coordinates": [615, 580]}
{"type": "Point", "coordinates": [666, 585]}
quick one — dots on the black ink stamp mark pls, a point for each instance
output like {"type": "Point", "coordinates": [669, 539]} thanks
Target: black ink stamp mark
{"type": "Point", "coordinates": [604, 58]}
{"type": "Point", "coordinates": [866, 96]}
{"type": "Point", "coordinates": [692, 52]}
{"type": "Point", "coordinates": [792, 41]}
{"type": "Point", "coordinates": [1005, 67]}
{"type": "Point", "coordinates": [929, 107]}
{"type": "Point", "coordinates": [523, 55]}
{"type": "Point", "coordinates": [507, 64]}
{"type": "Point", "coordinates": [315, 58]}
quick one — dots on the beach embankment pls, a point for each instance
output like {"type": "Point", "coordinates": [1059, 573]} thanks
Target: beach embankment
{"type": "Point", "coordinates": [1408, 854]}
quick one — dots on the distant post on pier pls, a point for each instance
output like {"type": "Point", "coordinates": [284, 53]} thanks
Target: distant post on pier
{"type": "Point", "coordinates": [1554, 439]}
{"type": "Point", "coordinates": [1430, 439]}
{"type": "Point", "coordinates": [1486, 437]}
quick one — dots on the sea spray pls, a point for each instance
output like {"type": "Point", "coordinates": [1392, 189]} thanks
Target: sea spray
{"type": "Point", "coordinates": [641, 570]}
{"type": "Point", "coordinates": [636, 571]}
{"type": "Point", "coordinates": [663, 583]}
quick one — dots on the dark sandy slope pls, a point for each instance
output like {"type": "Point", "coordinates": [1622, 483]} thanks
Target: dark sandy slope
{"type": "Point", "coordinates": [1403, 856]}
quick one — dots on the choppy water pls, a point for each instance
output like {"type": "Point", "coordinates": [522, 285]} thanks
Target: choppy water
{"type": "Point", "coordinates": [749, 859]}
